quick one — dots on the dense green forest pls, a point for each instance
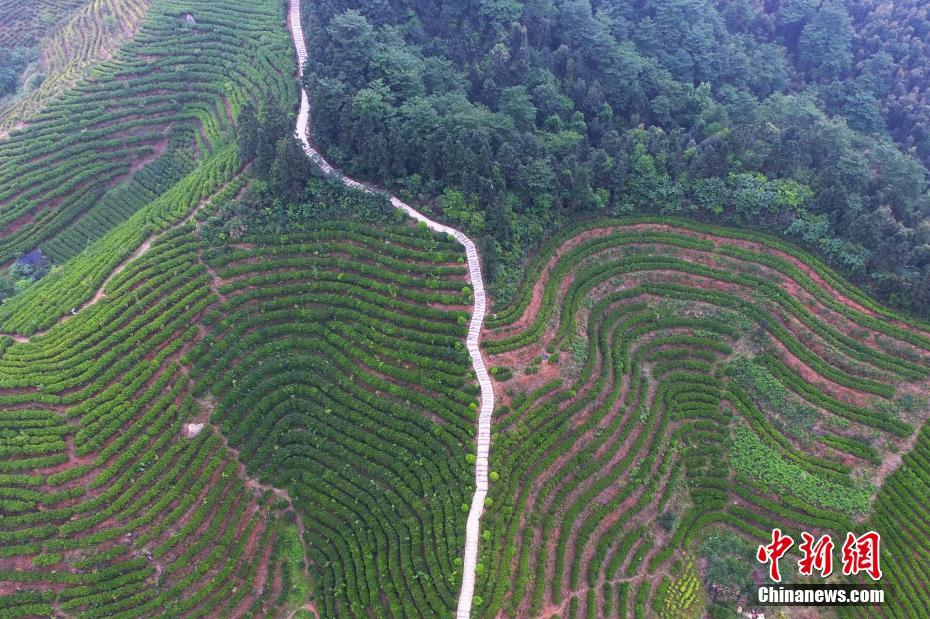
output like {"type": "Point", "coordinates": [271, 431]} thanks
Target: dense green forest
{"type": "Point", "coordinates": [804, 118]}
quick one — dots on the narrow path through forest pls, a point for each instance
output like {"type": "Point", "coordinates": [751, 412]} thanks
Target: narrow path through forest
{"type": "Point", "coordinates": [474, 329]}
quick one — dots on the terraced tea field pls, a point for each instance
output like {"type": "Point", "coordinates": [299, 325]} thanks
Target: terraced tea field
{"type": "Point", "coordinates": [900, 513]}
{"type": "Point", "coordinates": [335, 357]}
{"type": "Point", "coordinates": [22, 24]}
{"type": "Point", "coordinates": [332, 366]}
{"type": "Point", "coordinates": [94, 33]}
{"type": "Point", "coordinates": [653, 366]}
{"type": "Point", "coordinates": [299, 425]}
{"type": "Point", "coordinates": [139, 123]}
{"type": "Point", "coordinates": [339, 372]}
{"type": "Point", "coordinates": [109, 508]}
{"type": "Point", "coordinates": [133, 148]}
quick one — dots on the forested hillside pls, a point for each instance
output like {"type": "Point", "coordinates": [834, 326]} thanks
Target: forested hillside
{"type": "Point", "coordinates": [801, 117]}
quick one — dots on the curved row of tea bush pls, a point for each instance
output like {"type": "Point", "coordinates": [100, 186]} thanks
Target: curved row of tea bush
{"type": "Point", "coordinates": [901, 515]}
{"type": "Point", "coordinates": [95, 31]}
{"type": "Point", "coordinates": [165, 101]}
{"type": "Point", "coordinates": [337, 362]}
{"type": "Point", "coordinates": [677, 397]}
{"type": "Point", "coordinates": [107, 507]}
{"type": "Point", "coordinates": [22, 24]}
{"type": "Point", "coordinates": [767, 249]}
{"type": "Point", "coordinates": [45, 302]}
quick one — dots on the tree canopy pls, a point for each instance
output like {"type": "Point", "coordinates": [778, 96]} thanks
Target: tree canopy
{"type": "Point", "coordinates": [806, 119]}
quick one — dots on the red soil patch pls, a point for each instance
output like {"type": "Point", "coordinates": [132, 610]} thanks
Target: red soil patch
{"type": "Point", "coordinates": [264, 565]}
{"type": "Point", "coordinates": [844, 394]}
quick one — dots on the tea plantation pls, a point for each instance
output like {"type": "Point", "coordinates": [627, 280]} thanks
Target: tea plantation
{"type": "Point", "coordinates": [661, 370]}
{"type": "Point", "coordinates": [224, 402]}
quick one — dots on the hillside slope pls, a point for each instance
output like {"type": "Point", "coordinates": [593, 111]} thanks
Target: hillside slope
{"type": "Point", "coordinates": [138, 123]}
{"type": "Point", "coordinates": [65, 56]}
{"type": "Point", "coordinates": [654, 367]}
{"type": "Point", "coordinates": [248, 394]}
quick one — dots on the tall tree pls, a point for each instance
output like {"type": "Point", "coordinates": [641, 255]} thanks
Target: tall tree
{"type": "Point", "coordinates": [825, 47]}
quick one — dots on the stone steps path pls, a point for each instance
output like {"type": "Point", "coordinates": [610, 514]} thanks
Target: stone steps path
{"type": "Point", "coordinates": [472, 527]}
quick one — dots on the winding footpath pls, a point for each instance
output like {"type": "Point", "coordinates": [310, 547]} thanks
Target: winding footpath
{"type": "Point", "coordinates": [474, 329]}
